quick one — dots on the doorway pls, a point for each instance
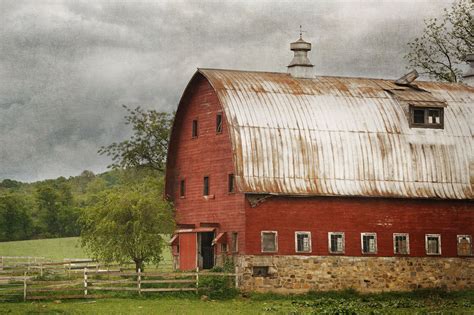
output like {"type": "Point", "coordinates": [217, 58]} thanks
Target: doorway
{"type": "Point", "coordinates": [206, 250]}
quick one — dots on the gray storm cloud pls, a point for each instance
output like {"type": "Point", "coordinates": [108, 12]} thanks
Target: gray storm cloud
{"type": "Point", "coordinates": [66, 67]}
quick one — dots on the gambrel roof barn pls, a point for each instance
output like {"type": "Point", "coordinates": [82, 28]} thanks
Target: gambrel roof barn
{"type": "Point", "coordinates": [302, 179]}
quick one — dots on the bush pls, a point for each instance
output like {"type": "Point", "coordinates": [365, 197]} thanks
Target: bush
{"type": "Point", "coordinates": [217, 287]}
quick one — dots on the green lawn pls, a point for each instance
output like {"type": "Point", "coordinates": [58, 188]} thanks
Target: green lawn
{"type": "Point", "coordinates": [189, 305]}
{"type": "Point", "coordinates": [54, 248]}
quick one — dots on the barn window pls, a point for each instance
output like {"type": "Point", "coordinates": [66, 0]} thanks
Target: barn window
{"type": "Point", "coordinates": [426, 117]}
{"type": "Point", "coordinates": [336, 242]}
{"type": "Point", "coordinates": [369, 243]}
{"type": "Point", "coordinates": [205, 190]}
{"type": "Point", "coordinates": [464, 245]}
{"type": "Point", "coordinates": [230, 181]}
{"type": "Point", "coordinates": [303, 242]}
{"type": "Point", "coordinates": [269, 241]}
{"type": "Point", "coordinates": [223, 248]}
{"type": "Point", "coordinates": [235, 242]}
{"type": "Point", "coordinates": [219, 123]}
{"type": "Point", "coordinates": [260, 271]}
{"type": "Point", "coordinates": [195, 128]}
{"type": "Point", "coordinates": [182, 188]}
{"type": "Point", "coordinates": [401, 243]}
{"type": "Point", "coordinates": [433, 244]}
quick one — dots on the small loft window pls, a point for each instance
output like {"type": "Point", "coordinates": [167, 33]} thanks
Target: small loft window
{"type": "Point", "coordinates": [195, 129]}
{"type": "Point", "coordinates": [433, 244]}
{"type": "Point", "coordinates": [401, 243]}
{"type": "Point", "coordinates": [205, 190]}
{"type": "Point", "coordinates": [231, 187]}
{"type": "Point", "coordinates": [369, 243]}
{"type": "Point", "coordinates": [336, 242]}
{"type": "Point", "coordinates": [182, 188]}
{"type": "Point", "coordinates": [426, 117]}
{"type": "Point", "coordinates": [303, 242]}
{"type": "Point", "coordinates": [464, 245]}
{"type": "Point", "coordinates": [219, 123]}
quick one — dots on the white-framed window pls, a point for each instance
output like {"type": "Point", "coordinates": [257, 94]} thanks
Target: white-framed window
{"type": "Point", "coordinates": [269, 241]}
{"type": "Point", "coordinates": [401, 243]}
{"type": "Point", "coordinates": [368, 243]}
{"type": "Point", "coordinates": [464, 245]}
{"type": "Point", "coordinates": [235, 242]}
{"type": "Point", "coordinates": [336, 242]}
{"type": "Point", "coordinates": [303, 242]}
{"type": "Point", "coordinates": [433, 244]}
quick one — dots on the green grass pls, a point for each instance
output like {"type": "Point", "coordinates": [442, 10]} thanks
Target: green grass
{"type": "Point", "coordinates": [54, 248]}
{"type": "Point", "coordinates": [404, 303]}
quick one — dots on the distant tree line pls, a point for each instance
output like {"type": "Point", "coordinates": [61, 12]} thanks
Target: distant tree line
{"type": "Point", "coordinates": [49, 208]}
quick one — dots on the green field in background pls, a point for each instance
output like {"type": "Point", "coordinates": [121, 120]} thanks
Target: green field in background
{"type": "Point", "coordinates": [53, 248]}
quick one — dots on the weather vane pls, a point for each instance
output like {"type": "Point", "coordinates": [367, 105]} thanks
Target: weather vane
{"type": "Point", "coordinates": [301, 32]}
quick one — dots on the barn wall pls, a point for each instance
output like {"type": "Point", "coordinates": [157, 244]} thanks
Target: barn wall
{"type": "Point", "coordinates": [298, 274]}
{"type": "Point", "coordinates": [385, 216]}
{"type": "Point", "coordinates": [209, 154]}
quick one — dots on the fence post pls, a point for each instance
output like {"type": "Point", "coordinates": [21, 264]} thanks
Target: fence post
{"type": "Point", "coordinates": [24, 287]}
{"type": "Point", "coordinates": [139, 281]}
{"type": "Point", "coordinates": [197, 279]}
{"type": "Point", "coordinates": [85, 281]}
{"type": "Point", "coordinates": [236, 277]}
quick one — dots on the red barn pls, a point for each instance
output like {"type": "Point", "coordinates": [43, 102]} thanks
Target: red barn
{"type": "Point", "coordinates": [312, 182]}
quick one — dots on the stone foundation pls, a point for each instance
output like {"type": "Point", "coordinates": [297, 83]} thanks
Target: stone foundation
{"type": "Point", "coordinates": [299, 274]}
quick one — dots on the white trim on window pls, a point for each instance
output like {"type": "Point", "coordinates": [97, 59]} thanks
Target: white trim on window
{"type": "Point", "coordinates": [343, 243]}
{"type": "Point", "coordinates": [469, 240]}
{"type": "Point", "coordinates": [395, 245]}
{"type": "Point", "coordinates": [374, 252]}
{"type": "Point", "coordinates": [309, 241]}
{"type": "Point", "coordinates": [439, 244]}
{"type": "Point", "coordinates": [276, 241]}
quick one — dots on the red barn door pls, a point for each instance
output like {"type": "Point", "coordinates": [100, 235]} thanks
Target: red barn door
{"type": "Point", "coordinates": [187, 251]}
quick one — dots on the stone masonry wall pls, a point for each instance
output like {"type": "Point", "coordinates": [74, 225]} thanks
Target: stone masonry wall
{"type": "Point", "coordinates": [298, 274]}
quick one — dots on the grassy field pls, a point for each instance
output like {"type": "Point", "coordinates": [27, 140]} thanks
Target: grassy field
{"type": "Point", "coordinates": [54, 248]}
{"type": "Point", "coordinates": [336, 303]}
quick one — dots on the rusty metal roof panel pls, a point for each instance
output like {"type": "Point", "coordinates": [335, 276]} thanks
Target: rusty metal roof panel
{"type": "Point", "coordinates": [345, 136]}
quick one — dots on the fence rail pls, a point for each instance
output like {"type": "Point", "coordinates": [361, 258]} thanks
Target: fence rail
{"type": "Point", "coordinates": [86, 278]}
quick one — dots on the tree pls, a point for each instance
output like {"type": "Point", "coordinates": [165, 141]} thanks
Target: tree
{"type": "Point", "coordinates": [128, 222]}
{"type": "Point", "coordinates": [444, 44]}
{"type": "Point", "coordinates": [15, 223]}
{"type": "Point", "coordinates": [149, 143]}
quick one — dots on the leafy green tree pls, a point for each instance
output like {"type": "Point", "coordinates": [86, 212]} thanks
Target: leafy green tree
{"type": "Point", "coordinates": [442, 48]}
{"type": "Point", "coordinates": [15, 223]}
{"type": "Point", "coordinates": [128, 222]}
{"type": "Point", "coordinates": [149, 143]}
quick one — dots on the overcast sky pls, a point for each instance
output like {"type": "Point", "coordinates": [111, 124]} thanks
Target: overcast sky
{"type": "Point", "coordinates": [66, 67]}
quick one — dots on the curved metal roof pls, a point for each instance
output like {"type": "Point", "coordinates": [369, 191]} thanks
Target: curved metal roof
{"type": "Point", "coordinates": [345, 136]}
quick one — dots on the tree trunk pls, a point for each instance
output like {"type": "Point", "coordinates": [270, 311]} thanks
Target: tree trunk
{"type": "Point", "coordinates": [138, 264]}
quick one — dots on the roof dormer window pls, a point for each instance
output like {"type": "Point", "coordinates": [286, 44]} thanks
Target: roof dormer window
{"type": "Point", "coordinates": [426, 117]}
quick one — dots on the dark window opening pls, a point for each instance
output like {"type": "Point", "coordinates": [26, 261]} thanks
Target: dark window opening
{"type": "Point", "coordinates": [219, 123]}
{"type": "Point", "coordinates": [224, 248]}
{"type": "Point", "coordinates": [269, 242]}
{"type": "Point", "coordinates": [205, 191]}
{"type": "Point", "coordinates": [195, 128]}
{"type": "Point", "coordinates": [231, 183]}
{"type": "Point", "coordinates": [303, 242]}
{"type": "Point", "coordinates": [336, 243]}
{"type": "Point", "coordinates": [426, 117]}
{"type": "Point", "coordinates": [182, 188]}
{"type": "Point", "coordinates": [260, 271]}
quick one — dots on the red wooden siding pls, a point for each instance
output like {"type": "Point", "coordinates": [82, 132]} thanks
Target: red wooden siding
{"type": "Point", "coordinates": [210, 154]}
{"type": "Point", "coordinates": [187, 251]}
{"type": "Point", "coordinates": [320, 215]}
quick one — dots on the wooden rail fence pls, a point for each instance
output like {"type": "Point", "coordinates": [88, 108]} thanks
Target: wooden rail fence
{"type": "Point", "coordinates": [97, 283]}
